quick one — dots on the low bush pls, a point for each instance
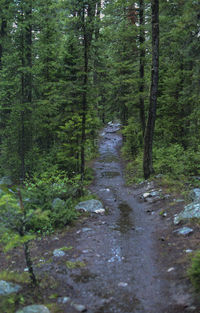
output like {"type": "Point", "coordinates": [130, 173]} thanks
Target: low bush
{"type": "Point", "coordinates": [175, 161]}
{"type": "Point", "coordinates": [194, 271]}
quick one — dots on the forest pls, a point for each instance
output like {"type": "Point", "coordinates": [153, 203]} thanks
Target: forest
{"type": "Point", "coordinates": [67, 68]}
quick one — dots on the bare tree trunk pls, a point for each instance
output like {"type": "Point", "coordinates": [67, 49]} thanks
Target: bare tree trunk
{"type": "Point", "coordinates": [26, 83]}
{"type": "Point", "coordinates": [2, 35]}
{"type": "Point", "coordinates": [148, 138]}
{"type": "Point", "coordinates": [88, 28]}
{"type": "Point", "coordinates": [142, 60]}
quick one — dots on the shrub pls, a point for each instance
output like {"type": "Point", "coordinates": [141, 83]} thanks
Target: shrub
{"type": "Point", "coordinates": [169, 160]}
{"type": "Point", "coordinates": [194, 271]}
{"type": "Point", "coordinates": [39, 195]}
{"type": "Point", "coordinates": [133, 139]}
{"type": "Point", "coordinates": [175, 161]}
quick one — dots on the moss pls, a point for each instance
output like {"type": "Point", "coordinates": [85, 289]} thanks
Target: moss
{"type": "Point", "coordinates": [15, 277]}
{"type": "Point", "coordinates": [76, 264]}
{"type": "Point", "coordinates": [66, 248]}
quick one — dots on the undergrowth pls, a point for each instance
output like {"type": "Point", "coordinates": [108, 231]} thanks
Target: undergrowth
{"type": "Point", "coordinates": [194, 271]}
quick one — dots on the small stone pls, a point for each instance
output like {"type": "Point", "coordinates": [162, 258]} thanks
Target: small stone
{"type": "Point", "coordinates": [55, 238]}
{"type": "Point", "coordinates": [170, 269]}
{"type": "Point", "coordinates": [34, 309]}
{"type": "Point", "coordinates": [178, 200]}
{"type": "Point", "coordinates": [122, 284]}
{"type": "Point", "coordinates": [100, 211]}
{"type": "Point", "coordinates": [191, 308]}
{"type": "Point", "coordinates": [85, 251]}
{"type": "Point", "coordinates": [58, 253]}
{"type": "Point", "coordinates": [64, 300]}
{"type": "Point", "coordinates": [189, 251]}
{"type": "Point", "coordinates": [184, 231]}
{"type": "Point", "coordinates": [79, 307]}
{"type": "Point", "coordinates": [146, 194]}
{"type": "Point", "coordinates": [162, 238]}
{"type": "Point", "coordinates": [86, 229]}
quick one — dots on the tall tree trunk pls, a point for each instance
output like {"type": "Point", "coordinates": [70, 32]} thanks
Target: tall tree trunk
{"type": "Point", "coordinates": [148, 138]}
{"type": "Point", "coordinates": [142, 60]}
{"type": "Point", "coordinates": [96, 33]}
{"type": "Point", "coordinates": [88, 28]}
{"type": "Point", "coordinates": [26, 83]}
{"type": "Point", "coordinates": [84, 105]}
{"type": "Point", "coordinates": [2, 35]}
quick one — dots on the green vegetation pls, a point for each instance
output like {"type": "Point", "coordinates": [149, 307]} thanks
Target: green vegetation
{"type": "Point", "coordinates": [75, 264]}
{"type": "Point", "coordinates": [194, 271]}
{"type": "Point", "coordinates": [66, 68]}
{"type": "Point", "coordinates": [15, 277]}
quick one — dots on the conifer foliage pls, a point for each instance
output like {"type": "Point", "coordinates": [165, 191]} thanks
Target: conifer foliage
{"type": "Point", "coordinates": [68, 66]}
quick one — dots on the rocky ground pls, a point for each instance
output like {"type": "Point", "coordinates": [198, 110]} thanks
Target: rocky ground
{"type": "Point", "coordinates": [130, 258]}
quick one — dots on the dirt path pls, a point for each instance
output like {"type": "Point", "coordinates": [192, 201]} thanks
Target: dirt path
{"type": "Point", "coordinates": [123, 272]}
{"type": "Point", "coordinates": [127, 260]}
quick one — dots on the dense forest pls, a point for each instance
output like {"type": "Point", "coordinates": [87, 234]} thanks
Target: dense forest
{"type": "Point", "coordinates": [67, 67]}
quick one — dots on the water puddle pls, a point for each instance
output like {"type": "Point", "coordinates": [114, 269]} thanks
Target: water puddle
{"type": "Point", "coordinates": [110, 174]}
{"type": "Point", "coordinates": [125, 222]}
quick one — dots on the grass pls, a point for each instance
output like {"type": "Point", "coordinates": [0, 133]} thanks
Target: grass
{"type": "Point", "coordinates": [66, 248]}
{"type": "Point", "coordinates": [75, 264]}
{"type": "Point", "coordinates": [15, 277]}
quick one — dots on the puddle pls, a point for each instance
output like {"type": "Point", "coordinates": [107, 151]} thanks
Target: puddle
{"type": "Point", "coordinates": [110, 174]}
{"type": "Point", "coordinates": [125, 222]}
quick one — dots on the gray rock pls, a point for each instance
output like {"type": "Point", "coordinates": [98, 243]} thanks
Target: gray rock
{"type": "Point", "coordinates": [34, 309]}
{"type": "Point", "coordinates": [79, 307]}
{"type": "Point", "coordinates": [93, 206]}
{"type": "Point", "coordinates": [155, 194]}
{"type": "Point", "coordinates": [5, 181]}
{"type": "Point", "coordinates": [191, 308]}
{"type": "Point", "coordinates": [191, 210]}
{"type": "Point", "coordinates": [178, 200]}
{"type": "Point", "coordinates": [86, 229]}
{"type": "Point", "coordinates": [195, 195]}
{"type": "Point", "coordinates": [184, 231]}
{"type": "Point", "coordinates": [7, 288]}
{"type": "Point", "coordinates": [122, 284]}
{"type": "Point", "coordinates": [171, 269]}
{"type": "Point", "coordinates": [151, 196]}
{"type": "Point", "coordinates": [58, 203]}
{"type": "Point", "coordinates": [64, 300]}
{"type": "Point", "coordinates": [188, 251]}
{"type": "Point", "coordinates": [58, 253]}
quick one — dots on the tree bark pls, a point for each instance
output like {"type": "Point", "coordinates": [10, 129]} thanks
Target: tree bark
{"type": "Point", "coordinates": [142, 60]}
{"type": "Point", "coordinates": [2, 35]}
{"type": "Point", "coordinates": [26, 83]}
{"type": "Point", "coordinates": [88, 28]}
{"type": "Point", "coordinates": [148, 138]}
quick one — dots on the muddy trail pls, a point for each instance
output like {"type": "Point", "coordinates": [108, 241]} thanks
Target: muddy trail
{"type": "Point", "coordinates": [123, 272]}
{"type": "Point", "coordinates": [128, 259]}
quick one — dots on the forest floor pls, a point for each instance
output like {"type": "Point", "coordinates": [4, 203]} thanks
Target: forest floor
{"type": "Point", "coordinates": [127, 260]}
